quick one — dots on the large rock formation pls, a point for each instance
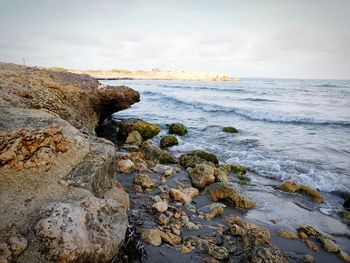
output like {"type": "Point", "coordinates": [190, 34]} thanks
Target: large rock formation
{"type": "Point", "coordinates": [51, 158]}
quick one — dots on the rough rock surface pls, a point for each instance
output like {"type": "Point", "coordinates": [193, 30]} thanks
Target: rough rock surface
{"type": "Point", "coordinates": [168, 141]}
{"type": "Point", "coordinates": [49, 152]}
{"type": "Point", "coordinates": [291, 187]}
{"type": "Point", "coordinates": [219, 191]}
{"type": "Point", "coordinates": [201, 175]}
{"type": "Point", "coordinates": [89, 230]}
{"type": "Point", "coordinates": [146, 129]}
{"type": "Point", "coordinates": [177, 128]}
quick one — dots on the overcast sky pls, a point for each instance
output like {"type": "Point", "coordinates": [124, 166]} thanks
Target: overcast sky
{"type": "Point", "coordinates": [260, 38]}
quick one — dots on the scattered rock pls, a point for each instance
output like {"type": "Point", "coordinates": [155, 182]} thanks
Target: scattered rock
{"type": "Point", "coordinates": [286, 234]}
{"type": "Point", "coordinates": [201, 176]}
{"type": "Point", "coordinates": [151, 236]}
{"type": "Point", "coordinates": [311, 245]}
{"type": "Point", "coordinates": [166, 170]}
{"type": "Point", "coordinates": [163, 219]}
{"type": "Point", "coordinates": [160, 206]}
{"type": "Point", "coordinates": [168, 141]}
{"type": "Point", "coordinates": [184, 195]}
{"type": "Point", "coordinates": [147, 130]}
{"type": "Point", "coordinates": [144, 181]}
{"type": "Point", "coordinates": [155, 153]}
{"type": "Point", "coordinates": [170, 238]}
{"type": "Point", "coordinates": [213, 250]}
{"type": "Point", "coordinates": [213, 210]}
{"type": "Point", "coordinates": [230, 129]}
{"type": "Point", "coordinates": [235, 168]}
{"type": "Point", "coordinates": [178, 128]}
{"type": "Point", "coordinates": [125, 166]}
{"type": "Point", "coordinates": [291, 187]}
{"type": "Point", "coordinates": [269, 254]}
{"type": "Point", "coordinates": [221, 176]}
{"type": "Point", "coordinates": [329, 245]}
{"type": "Point", "coordinates": [184, 250]}
{"type": "Point", "coordinates": [134, 138]}
{"type": "Point", "coordinates": [74, 231]}
{"type": "Point", "coordinates": [191, 161]}
{"type": "Point", "coordinates": [210, 157]}
{"type": "Point", "coordinates": [219, 191]}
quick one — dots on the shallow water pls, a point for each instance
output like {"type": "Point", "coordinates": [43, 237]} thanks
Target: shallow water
{"type": "Point", "coordinates": [288, 129]}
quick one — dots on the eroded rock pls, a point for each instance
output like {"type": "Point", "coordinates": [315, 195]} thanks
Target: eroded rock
{"type": "Point", "coordinates": [89, 230]}
{"type": "Point", "coordinates": [144, 181]}
{"type": "Point", "coordinates": [201, 175]}
{"type": "Point", "coordinates": [184, 195]}
{"type": "Point", "coordinates": [146, 129]}
{"type": "Point", "coordinates": [291, 187]}
{"type": "Point", "coordinates": [178, 128]}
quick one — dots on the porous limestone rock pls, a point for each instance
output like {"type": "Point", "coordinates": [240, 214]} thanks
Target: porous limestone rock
{"type": "Point", "coordinates": [183, 195]}
{"type": "Point", "coordinates": [151, 236]}
{"type": "Point", "coordinates": [201, 175]}
{"type": "Point", "coordinates": [219, 191]}
{"type": "Point", "coordinates": [292, 187]}
{"type": "Point", "coordinates": [88, 230]}
{"type": "Point", "coordinates": [144, 181]}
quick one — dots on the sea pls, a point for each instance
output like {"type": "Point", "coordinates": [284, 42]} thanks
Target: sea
{"type": "Point", "coordinates": [289, 129]}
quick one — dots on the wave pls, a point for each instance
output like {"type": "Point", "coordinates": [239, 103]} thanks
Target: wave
{"type": "Point", "coordinates": [253, 115]}
{"type": "Point", "coordinates": [203, 88]}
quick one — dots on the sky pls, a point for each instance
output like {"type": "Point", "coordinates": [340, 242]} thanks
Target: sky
{"type": "Point", "coordinates": [251, 38]}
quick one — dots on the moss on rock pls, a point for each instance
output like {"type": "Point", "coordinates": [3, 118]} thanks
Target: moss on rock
{"type": "Point", "coordinates": [230, 129]}
{"type": "Point", "coordinates": [210, 157]}
{"type": "Point", "coordinates": [168, 141]}
{"type": "Point", "coordinates": [146, 129]}
{"type": "Point", "coordinates": [178, 128]}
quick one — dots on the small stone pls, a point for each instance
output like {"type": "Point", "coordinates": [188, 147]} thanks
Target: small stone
{"type": "Point", "coordinates": [184, 195]}
{"type": "Point", "coordinates": [134, 138]}
{"type": "Point", "coordinates": [311, 245]}
{"type": "Point", "coordinates": [170, 238]}
{"type": "Point", "coordinates": [329, 245]}
{"type": "Point", "coordinates": [163, 219]}
{"type": "Point", "coordinates": [125, 166]}
{"type": "Point", "coordinates": [144, 181]}
{"type": "Point", "coordinates": [177, 215]}
{"type": "Point", "coordinates": [185, 250]}
{"type": "Point", "coordinates": [151, 236]}
{"type": "Point", "coordinates": [160, 206]}
{"type": "Point", "coordinates": [286, 234]}
{"type": "Point", "coordinates": [176, 231]}
{"type": "Point", "coordinates": [168, 141]}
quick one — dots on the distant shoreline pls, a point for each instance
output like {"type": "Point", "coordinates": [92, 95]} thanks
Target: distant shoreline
{"type": "Point", "coordinates": [153, 75]}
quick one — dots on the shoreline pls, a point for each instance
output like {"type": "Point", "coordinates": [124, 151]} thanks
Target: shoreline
{"type": "Point", "coordinates": [71, 171]}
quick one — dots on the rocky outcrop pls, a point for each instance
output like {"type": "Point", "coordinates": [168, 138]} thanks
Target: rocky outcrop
{"type": "Point", "coordinates": [51, 160]}
{"type": "Point", "coordinates": [78, 99]}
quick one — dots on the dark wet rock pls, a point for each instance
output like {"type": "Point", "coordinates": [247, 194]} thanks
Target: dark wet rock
{"type": "Point", "coordinates": [219, 191]}
{"type": "Point", "coordinates": [210, 157]}
{"type": "Point", "coordinates": [230, 129]}
{"type": "Point", "coordinates": [291, 187]}
{"type": "Point", "coordinates": [146, 129]}
{"type": "Point", "coordinates": [269, 254]}
{"type": "Point", "coordinates": [300, 257]}
{"type": "Point", "coordinates": [345, 214]}
{"type": "Point", "coordinates": [346, 203]}
{"type": "Point", "coordinates": [154, 153]}
{"type": "Point", "coordinates": [89, 230]}
{"type": "Point", "coordinates": [168, 141]}
{"type": "Point", "coordinates": [178, 128]}
{"type": "Point", "coordinates": [201, 175]}
{"type": "Point", "coordinates": [134, 138]}
{"type": "Point", "coordinates": [191, 161]}
{"type": "Point", "coordinates": [213, 250]}
{"type": "Point", "coordinates": [144, 181]}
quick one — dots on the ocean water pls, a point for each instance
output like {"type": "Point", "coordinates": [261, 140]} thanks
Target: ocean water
{"type": "Point", "coordinates": [288, 128]}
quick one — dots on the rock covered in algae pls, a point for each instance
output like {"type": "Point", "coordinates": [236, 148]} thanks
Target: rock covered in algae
{"type": "Point", "coordinates": [219, 191]}
{"type": "Point", "coordinates": [168, 141]}
{"type": "Point", "coordinates": [146, 129]}
{"type": "Point", "coordinates": [210, 157]}
{"type": "Point", "coordinates": [178, 128]}
{"type": "Point", "coordinates": [230, 129]}
{"type": "Point", "coordinates": [134, 138]}
{"type": "Point", "coordinates": [292, 187]}
{"type": "Point", "coordinates": [191, 161]}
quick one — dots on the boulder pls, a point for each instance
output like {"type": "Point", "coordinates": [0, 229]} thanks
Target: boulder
{"type": "Point", "coordinates": [88, 230]}
{"type": "Point", "coordinates": [235, 168]}
{"type": "Point", "coordinates": [201, 175]}
{"type": "Point", "coordinates": [168, 141]}
{"type": "Point", "coordinates": [154, 153]}
{"type": "Point", "coordinates": [230, 129]}
{"type": "Point", "coordinates": [177, 128]}
{"type": "Point", "coordinates": [118, 194]}
{"type": "Point", "coordinates": [291, 187]}
{"type": "Point", "coordinates": [146, 129]}
{"type": "Point", "coordinates": [219, 191]}
{"type": "Point", "coordinates": [134, 138]}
